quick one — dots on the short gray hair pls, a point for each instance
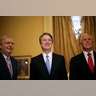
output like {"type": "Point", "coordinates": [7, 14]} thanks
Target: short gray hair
{"type": "Point", "coordinates": [4, 37]}
{"type": "Point", "coordinates": [81, 36]}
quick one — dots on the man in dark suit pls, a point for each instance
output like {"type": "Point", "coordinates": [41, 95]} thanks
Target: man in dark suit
{"type": "Point", "coordinates": [8, 65]}
{"type": "Point", "coordinates": [80, 64]}
{"type": "Point", "coordinates": [38, 67]}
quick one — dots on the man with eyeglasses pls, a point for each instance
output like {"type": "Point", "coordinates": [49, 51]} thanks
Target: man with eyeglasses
{"type": "Point", "coordinates": [8, 65]}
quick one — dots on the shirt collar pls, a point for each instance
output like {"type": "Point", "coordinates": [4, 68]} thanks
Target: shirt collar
{"type": "Point", "coordinates": [85, 53]}
{"type": "Point", "coordinates": [5, 56]}
{"type": "Point", "coordinates": [49, 54]}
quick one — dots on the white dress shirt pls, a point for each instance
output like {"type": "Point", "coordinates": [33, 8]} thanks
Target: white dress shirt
{"type": "Point", "coordinates": [49, 57]}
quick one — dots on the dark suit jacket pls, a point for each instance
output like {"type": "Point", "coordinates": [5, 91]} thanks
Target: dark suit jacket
{"type": "Point", "coordinates": [38, 69]}
{"type": "Point", "coordinates": [4, 72]}
{"type": "Point", "coordinates": [79, 69]}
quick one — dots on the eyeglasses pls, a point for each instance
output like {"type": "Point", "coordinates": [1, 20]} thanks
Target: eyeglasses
{"type": "Point", "coordinates": [8, 43]}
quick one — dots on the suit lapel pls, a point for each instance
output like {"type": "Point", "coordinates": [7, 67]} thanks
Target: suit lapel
{"type": "Point", "coordinates": [54, 65]}
{"type": "Point", "coordinates": [95, 62]}
{"type": "Point", "coordinates": [43, 65]}
{"type": "Point", "coordinates": [4, 64]}
{"type": "Point", "coordinates": [85, 65]}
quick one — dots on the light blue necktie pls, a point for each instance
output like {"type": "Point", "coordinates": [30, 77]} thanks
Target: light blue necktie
{"type": "Point", "coordinates": [48, 63]}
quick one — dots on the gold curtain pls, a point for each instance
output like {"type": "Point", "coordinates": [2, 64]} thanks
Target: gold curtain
{"type": "Point", "coordinates": [65, 42]}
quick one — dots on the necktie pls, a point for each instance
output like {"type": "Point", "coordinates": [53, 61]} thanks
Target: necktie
{"type": "Point", "coordinates": [48, 63]}
{"type": "Point", "coordinates": [9, 66]}
{"type": "Point", "coordinates": [90, 62]}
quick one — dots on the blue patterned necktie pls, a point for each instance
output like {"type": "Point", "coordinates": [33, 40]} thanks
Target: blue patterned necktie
{"type": "Point", "coordinates": [9, 64]}
{"type": "Point", "coordinates": [48, 63]}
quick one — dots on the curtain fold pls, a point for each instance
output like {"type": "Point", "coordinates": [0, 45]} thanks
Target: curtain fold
{"type": "Point", "coordinates": [65, 42]}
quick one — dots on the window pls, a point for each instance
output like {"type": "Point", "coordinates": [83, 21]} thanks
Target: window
{"type": "Point", "coordinates": [77, 25]}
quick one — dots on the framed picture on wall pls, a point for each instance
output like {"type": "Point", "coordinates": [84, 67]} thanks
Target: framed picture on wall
{"type": "Point", "coordinates": [23, 67]}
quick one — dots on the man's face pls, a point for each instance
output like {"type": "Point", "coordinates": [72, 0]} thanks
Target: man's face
{"type": "Point", "coordinates": [7, 46]}
{"type": "Point", "coordinates": [46, 42]}
{"type": "Point", "coordinates": [87, 42]}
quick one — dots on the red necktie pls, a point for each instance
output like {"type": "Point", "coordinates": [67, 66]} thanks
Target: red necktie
{"type": "Point", "coordinates": [9, 64]}
{"type": "Point", "coordinates": [90, 63]}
